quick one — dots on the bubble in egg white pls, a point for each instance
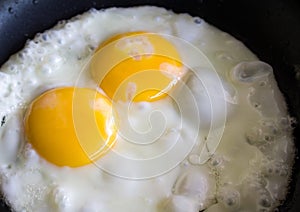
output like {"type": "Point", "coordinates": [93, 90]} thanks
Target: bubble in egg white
{"type": "Point", "coordinates": [250, 72]}
{"type": "Point", "coordinates": [197, 184]}
{"type": "Point", "coordinates": [230, 197]}
{"type": "Point", "coordinates": [11, 141]}
{"type": "Point", "coordinates": [223, 55]}
{"type": "Point", "coordinates": [178, 203]}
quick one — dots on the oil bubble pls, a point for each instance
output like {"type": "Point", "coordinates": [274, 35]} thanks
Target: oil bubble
{"type": "Point", "coordinates": [256, 105]}
{"type": "Point", "coordinates": [216, 161]}
{"type": "Point", "coordinates": [265, 202]}
{"type": "Point", "coordinates": [268, 138]}
{"type": "Point", "coordinates": [197, 20]}
{"type": "Point", "coordinates": [230, 197]}
{"type": "Point", "coordinates": [10, 10]}
{"type": "Point", "coordinates": [194, 159]}
{"type": "Point", "coordinates": [262, 83]}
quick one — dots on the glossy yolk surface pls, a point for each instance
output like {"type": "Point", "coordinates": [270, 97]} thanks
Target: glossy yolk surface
{"type": "Point", "coordinates": [136, 66]}
{"type": "Point", "coordinates": [70, 126]}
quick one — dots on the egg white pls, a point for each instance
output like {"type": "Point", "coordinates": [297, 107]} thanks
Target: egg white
{"type": "Point", "coordinates": [248, 171]}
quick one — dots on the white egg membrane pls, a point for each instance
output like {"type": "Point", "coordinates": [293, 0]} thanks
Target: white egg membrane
{"type": "Point", "coordinates": [249, 171]}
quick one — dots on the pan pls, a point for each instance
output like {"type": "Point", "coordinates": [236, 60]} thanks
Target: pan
{"type": "Point", "coordinates": [270, 28]}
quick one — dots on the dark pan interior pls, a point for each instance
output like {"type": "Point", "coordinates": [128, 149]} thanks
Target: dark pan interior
{"type": "Point", "coordinates": [270, 28]}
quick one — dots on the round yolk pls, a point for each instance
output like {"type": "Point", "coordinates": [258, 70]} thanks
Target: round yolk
{"type": "Point", "coordinates": [70, 126]}
{"type": "Point", "coordinates": [136, 66]}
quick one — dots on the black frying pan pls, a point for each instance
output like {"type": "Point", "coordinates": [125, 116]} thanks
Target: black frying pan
{"type": "Point", "coordinates": [270, 28]}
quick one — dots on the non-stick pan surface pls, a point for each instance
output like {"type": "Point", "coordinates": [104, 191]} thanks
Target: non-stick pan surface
{"type": "Point", "coordinates": [270, 28]}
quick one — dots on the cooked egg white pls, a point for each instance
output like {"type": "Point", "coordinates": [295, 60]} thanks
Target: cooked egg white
{"type": "Point", "coordinates": [220, 140]}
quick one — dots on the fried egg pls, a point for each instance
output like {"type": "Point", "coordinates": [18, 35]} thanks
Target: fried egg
{"type": "Point", "coordinates": [141, 109]}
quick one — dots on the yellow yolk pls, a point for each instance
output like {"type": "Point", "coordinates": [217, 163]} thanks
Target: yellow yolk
{"type": "Point", "coordinates": [136, 66]}
{"type": "Point", "coordinates": [70, 126]}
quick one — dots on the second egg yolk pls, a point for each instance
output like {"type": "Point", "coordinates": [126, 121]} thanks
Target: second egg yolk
{"type": "Point", "coordinates": [136, 66]}
{"type": "Point", "coordinates": [70, 126]}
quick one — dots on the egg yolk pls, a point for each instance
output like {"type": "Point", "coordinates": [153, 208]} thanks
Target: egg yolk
{"type": "Point", "coordinates": [136, 66]}
{"type": "Point", "coordinates": [70, 126]}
